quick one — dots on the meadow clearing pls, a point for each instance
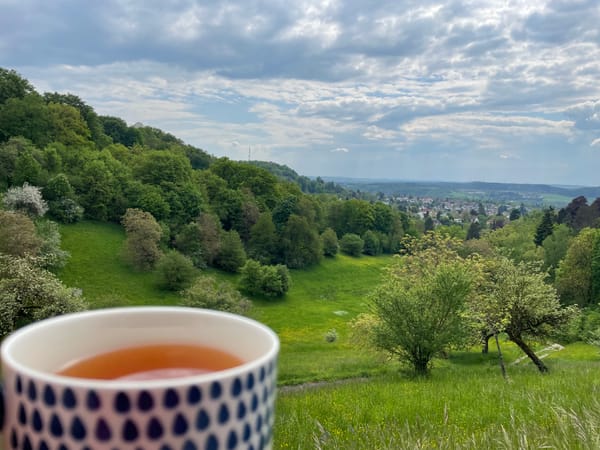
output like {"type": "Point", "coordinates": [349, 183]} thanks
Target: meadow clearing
{"type": "Point", "coordinates": [335, 395]}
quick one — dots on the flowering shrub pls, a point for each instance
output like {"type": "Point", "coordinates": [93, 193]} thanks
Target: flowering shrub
{"type": "Point", "coordinates": [27, 199]}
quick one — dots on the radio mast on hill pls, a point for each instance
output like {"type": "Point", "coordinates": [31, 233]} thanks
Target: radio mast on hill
{"type": "Point", "coordinates": [249, 153]}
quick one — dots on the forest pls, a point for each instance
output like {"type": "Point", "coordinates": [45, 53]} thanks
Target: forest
{"type": "Point", "coordinates": [183, 210]}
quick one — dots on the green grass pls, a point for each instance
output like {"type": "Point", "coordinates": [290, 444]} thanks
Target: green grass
{"type": "Point", "coordinates": [97, 268]}
{"type": "Point", "coordinates": [369, 403]}
{"type": "Point", "coordinates": [460, 405]}
{"type": "Point", "coordinates": [323, 297]}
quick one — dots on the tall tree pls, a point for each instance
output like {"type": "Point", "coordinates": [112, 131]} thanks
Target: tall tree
{"type": "Point", "coordinates": [545, 228]}
{"type": "Point", "coordinates": [428, 224]}
{"type": "Point", "coordinates": [515, 214]}
{"type": "Point", "coordinates": [330, 243]}
{"type": "Point", "coordinates": [474, 231]}
{"type": "Point", "coordinates": [13, 85]}
{"type": "Point", "coordinates": [28, 117]}
{"type": "Point", "coordinates": [301, 245]}
{"type": "Point", "coordinates": [574, 274]}
{"type": "Point", "coordinates": [143, 236]}
{"type": "Point", "coordinates": [232, 255]}
{"type": "Point", "coordinates": [555, 248]}
{"type": "Point", "coordinates": [119, 132]}
{"type": "Point", "coordinates": [262, 245]}
{"type": "Point", "coordinates": [87, 114]}
{"type": "Point", "coordinates": [67, 125]}
{"type": "Point", "coordinates": [578, 214]}
{"type": "Point", "coordinates": [372, 244]}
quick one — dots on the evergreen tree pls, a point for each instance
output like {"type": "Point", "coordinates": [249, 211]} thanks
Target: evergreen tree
{"type": "Point", "coordinates": [428, 223]}
{"type": "Point", "coordinates": [474, 231]}
{"type": "Point", "coordinates": [544, 229]}
{"type": "Point", "coordinates": [515, 214]}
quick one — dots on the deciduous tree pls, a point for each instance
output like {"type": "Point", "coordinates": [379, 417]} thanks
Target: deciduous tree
{"type": "Point", "coordinates": [175, 271]}
{"type": "Point", "coordinates": [26, 199]}
{"type": "Point", "coordinates": [518, 301]}
{"type": "Point", "coordinates": [29, 293]}
{"type": "Point", "coordinates": [300, 243]}
{"type": "Point", "coordinates": [352, 244]}
{"type": "Point", "coordinates": [143, 236]}
{"type": "Point", "coordinates": [420, 303]}
{"type": "Point", "coordinates": [18, 236]}
{"type": "Point", "coordinates": [262, 245]}
{"type": "Point", "coordinates": [330, 242]}
{"type": "Point", "coordinates": [232, 255]}
{"type": "Point", "coordinates": [574, 273]}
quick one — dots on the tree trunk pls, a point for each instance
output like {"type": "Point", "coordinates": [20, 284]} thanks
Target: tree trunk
{"type": "Point", "coordinates": [530, 353]}
{"type": "Point", "coordinates": [500, 357]}
{"type": "Point", "coordinates": [485, 337]}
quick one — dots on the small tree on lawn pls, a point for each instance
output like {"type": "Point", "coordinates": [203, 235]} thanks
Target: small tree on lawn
{"type": "Point", "coordinates": [518, 301]}
{"type": "Point", "coordinates": [330, 242]}
{"type": "Point", "coordinates": [175, 271]}
{"type": "Point", "coordinates": [420, 304]}
{"type": "Point", "coordinates": [143, 236]}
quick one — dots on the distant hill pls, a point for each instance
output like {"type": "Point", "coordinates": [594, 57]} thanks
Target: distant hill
{"type": "Point", "coordinates": [307, 185]}
{"type": "Point", "coordinates": [530, 194]}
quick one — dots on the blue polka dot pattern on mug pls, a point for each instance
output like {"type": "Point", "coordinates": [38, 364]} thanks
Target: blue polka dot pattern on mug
{"type": "Point", "coordinates": [231, 413]}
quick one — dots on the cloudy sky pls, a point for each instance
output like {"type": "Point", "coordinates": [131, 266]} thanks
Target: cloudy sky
{"type": "Point", "coordinates": [459, 90]}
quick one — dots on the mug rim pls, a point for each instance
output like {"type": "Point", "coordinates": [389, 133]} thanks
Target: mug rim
{"type": "Point", "coordinates": [102, 384]}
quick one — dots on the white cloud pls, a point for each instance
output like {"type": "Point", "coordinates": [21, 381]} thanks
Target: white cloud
{"type": "Point", "coordinates": [502, 80]}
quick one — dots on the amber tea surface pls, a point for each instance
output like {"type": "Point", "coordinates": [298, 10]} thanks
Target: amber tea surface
{"type": "Point", "coordinates": [151, 362]}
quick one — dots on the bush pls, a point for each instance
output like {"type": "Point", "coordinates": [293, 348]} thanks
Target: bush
{"type": "Point", "coordinates": [18, 236]}
{"type": "Point", "coordinates": [65, 210]}
{"type": "Point", "coordinates": [26, 199]}
{"type": "Point", "coordinates": [206, 292]}
{"type": "Point", "coordinates": [352, 244]}
{"type": "Point", "coordinates": [331, 336]}
{"type": "Point", "coordinates": [271, 281]}
{"type": "Point", "coordinates": [175, 271]}
{"type": "Point", "coordinates": [29, 293]}
{"type": "Point", "coordinates": [51, 256]}
{"type": "Point", "coordinates": [330, 242]}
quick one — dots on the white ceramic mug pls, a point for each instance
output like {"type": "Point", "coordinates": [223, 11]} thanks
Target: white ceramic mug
{"type": "Point", "coordinates": [227, 409]}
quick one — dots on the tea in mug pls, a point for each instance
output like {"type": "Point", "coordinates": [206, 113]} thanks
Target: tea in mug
{"type": "Point", "coordinates": [151, 362]}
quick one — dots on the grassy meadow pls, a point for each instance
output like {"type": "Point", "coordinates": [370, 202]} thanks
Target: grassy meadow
{"type": "Point", "coordinates": [366, 402]}
{"type": "Point", "coordinates": [321, 299]}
